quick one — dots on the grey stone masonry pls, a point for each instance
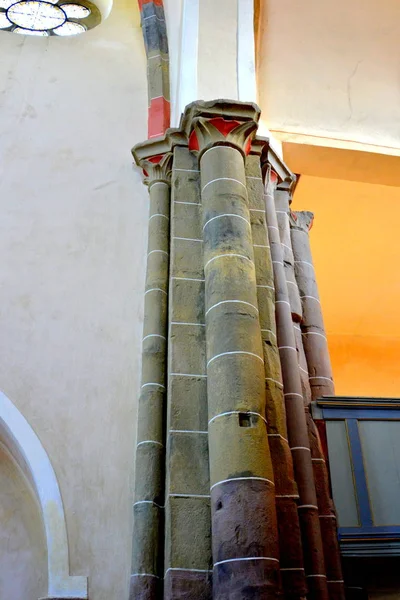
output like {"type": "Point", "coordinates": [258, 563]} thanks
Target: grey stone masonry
{"type": "Point", "coordinates": [230, 476]}
{"type": "Point", "coordinates": [314, 336]}
{"type": "Point", "coordinates": [245, 549]}
{"type": "Point", "coordinates": [296, 419]}
{"type": "Point", "coordinates": [148, 507]}
{"type": "Point", "coordinates": [188, 518]}
{"type": "Point", "coordinates": [291, 552]}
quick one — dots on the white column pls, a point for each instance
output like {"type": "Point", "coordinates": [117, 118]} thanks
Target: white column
{"type": "Point", "coordinates": [246, 63]}
{"type": "Point", "coordinates": [187, 61]}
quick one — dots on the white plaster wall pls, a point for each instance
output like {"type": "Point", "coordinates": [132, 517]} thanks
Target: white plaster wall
{"type": "Point", "coordinates": [331, 69]}
{"type": "Point", "coordinates": [203, 41]}
{"type": "Point", "coordinates": [73, 227]}
{"type": "Point", "coordinates": [212, 52]}
{"type": "Point", "coordinates": [217, 68]}
{"type": "Point", "coordinates": [22, 544]}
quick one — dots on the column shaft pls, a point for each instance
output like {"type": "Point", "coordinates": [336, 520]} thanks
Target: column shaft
{"type": "Point", "coordinates": [314, 337]}
{"type": "Point", "coordinates": [327, 514]}
{"type": "Point", "coordinates": [187, 507]}
{"type": "Point", "coordinates": [290, 546]}
{"type": "Point", "coordinates": [296, 421]}
{"type": "Point", "coordinates": [282, 214]}
{"type": "Point", "coordinates": [147, 551]}
{"type": "Point", "coordinates": [244, 528]}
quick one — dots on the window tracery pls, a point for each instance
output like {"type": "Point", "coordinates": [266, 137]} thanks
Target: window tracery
{"type": "Point", "coordinates": [48, 17]}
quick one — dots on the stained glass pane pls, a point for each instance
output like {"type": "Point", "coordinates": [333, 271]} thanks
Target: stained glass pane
{"type": "Point", "coordinates": [4, 22]}
{"type": "Point", "coordinates": [30, 32]}
{"type": "Point", "coordinates": [75, 11]}
{"type": "Point", "coordinates": [69, 29]}
{"type": "Point", "coordinates": [33, 14]}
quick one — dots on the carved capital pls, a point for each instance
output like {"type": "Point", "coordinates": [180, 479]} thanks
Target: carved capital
{"type": "Point", "coordinates": [157, 169]}
{"type": "Point", "coordinates": [269, 158]}
{"type": "Point", "coordinates": [220, 122]}
{"type": "Point", "coordinates": [160, 145]}
{"type": "Point", "coordinates": [270, 180]}
{"type": "Point", "coordinates": [231, 110]}
{"type": "Point", "coordinates": [220, 132]}
{"type": "Point", "coordinates": [303, 220]}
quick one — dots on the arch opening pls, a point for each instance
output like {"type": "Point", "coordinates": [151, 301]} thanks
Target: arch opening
{"type": "Point", "coordinates": [18, 437]}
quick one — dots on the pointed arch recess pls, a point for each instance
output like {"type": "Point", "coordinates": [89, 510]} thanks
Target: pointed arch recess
{"type": "Point", "coordinates": [25, 446]}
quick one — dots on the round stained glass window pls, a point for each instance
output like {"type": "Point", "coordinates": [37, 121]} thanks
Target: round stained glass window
{"type": "Point", "coordinates": [35, 15]}
{"type": "Point", "coordinates": [75, 11]}
{"type": "Point", "coordinates": [48, 17]}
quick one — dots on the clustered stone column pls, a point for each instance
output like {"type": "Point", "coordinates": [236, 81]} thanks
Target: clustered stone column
{"type": "Point", "coordinates": [282, 196]}
{"type": "Point", "coordinates": [314, 353]}
{"type": "Point", "coordinates": [296, 420]}
{"type": "Point", "coordinates": [147, 555]}
{"type": "Point", "coordinates": [314, 337]}
{"type": "Point", "coordinates": [187, 508]}
{"type": "Point", "coordinates": [290, 225]}
{"type": "Point", "coordinates": [226, 503]}
{"type": "Point", "coordinates": [244, 528]}
{"type": "Point", "coordinates": [286, 496]}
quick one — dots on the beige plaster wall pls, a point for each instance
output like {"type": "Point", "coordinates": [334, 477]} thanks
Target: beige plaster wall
{"type": "Point", "coordinates": [330, 70]}
{"type": "Point", "coordinates": [23, 559]}
{"type": "Point", "coordinates": [73, 227]}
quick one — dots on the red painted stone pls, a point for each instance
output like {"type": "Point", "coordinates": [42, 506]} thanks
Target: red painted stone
{"type": "Point", "coordinates": [159, 117]}
{"type": "Point", "coordinates": [223, 127]}
{"type": "Point", "coordinates": [153, 159]}
{"type": "Point", "coordinates": [273, 177]}
{"type": "Point", "coordinates": [156, 2]}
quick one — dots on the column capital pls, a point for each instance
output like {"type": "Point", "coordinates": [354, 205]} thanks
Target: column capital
{"type": "Point", "coordinates": [221, 123]}
{"type": "Point", "coordinates": [284, 195]}
{"type": "Point", "coordinates": [270, 159]}
{"type": "Point", "coordinates": [159, 146]}
{"type": "Point", "coordinates": [155, 156]}
{"type": "Point", "coordinates": [270, 179]}
{"type": "Point", "coordinates": [157, 169]}
{"type": "Point", "coordinates": [207, 133]}
{"type": "Point", "coordinates": [302, 220]}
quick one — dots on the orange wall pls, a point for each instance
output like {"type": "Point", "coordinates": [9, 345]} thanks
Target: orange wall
{"type": "Point", "coordinates": [355, 242]}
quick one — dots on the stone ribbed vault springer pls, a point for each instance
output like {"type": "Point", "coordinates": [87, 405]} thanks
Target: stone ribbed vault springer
{"type": "Point", "coordinates": [232, 496]}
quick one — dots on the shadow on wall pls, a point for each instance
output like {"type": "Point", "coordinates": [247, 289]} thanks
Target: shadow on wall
{"type": "Point", "coordinates": [30, 532]}
{"type": "Point", "coordinates": [23, 570]}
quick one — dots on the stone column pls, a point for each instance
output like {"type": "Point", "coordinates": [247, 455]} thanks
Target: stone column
{"type": "Point", "coordinates": [314, 337]}
{"type": "Point", "coordinates": [244, 528]}
{"type": "Point", "coordinates": [299, 226]}
{"type": "Point", "coordinates": [282, 199]}
{"type": "Point", "coordinates": [296, 421]}
{"type": "Point", "coordinates": [147, 552]}
{"type": "Point", "coordinates": [187, 506]}
{"type": "Point", "coordinates": [290, 545]}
